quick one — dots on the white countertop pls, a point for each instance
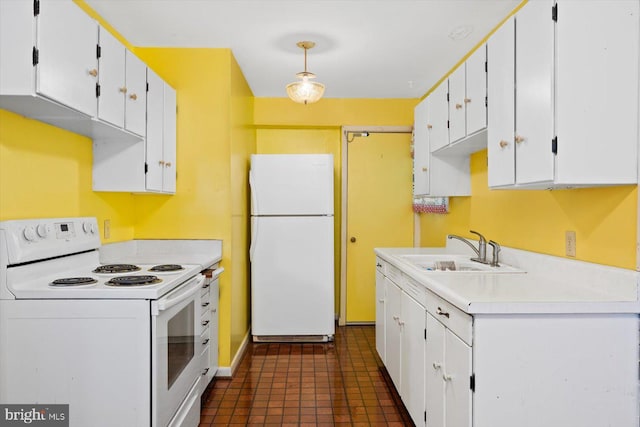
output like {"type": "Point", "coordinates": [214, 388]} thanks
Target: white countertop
{"type": "Point", "coordinates": [203, 252]}
{"type": "Point", "coordinates": [550, 284]}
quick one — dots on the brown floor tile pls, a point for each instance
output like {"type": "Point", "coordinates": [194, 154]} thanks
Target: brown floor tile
{"type": "Point", "coordinates": [342, 383]}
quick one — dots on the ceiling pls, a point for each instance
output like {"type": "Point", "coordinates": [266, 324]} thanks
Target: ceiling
{"type": "Point", "coordinates": [364, 48]}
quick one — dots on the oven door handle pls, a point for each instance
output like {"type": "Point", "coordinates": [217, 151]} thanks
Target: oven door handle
{"type": "Point", "coordinates": [171, 300]}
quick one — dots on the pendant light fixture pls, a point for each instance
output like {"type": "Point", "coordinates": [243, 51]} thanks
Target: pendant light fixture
{"type": "Point", "coordinates": [305, 91]}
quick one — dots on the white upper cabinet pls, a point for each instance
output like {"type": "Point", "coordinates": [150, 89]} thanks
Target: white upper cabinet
{"type": "Point", "coordinates": [467, 108]}
{"type": "Point", "coordinates": [421, 153]}
{"type": "Point", "coordinates": [122, 79]}
{"type": "Point", "coordinates": [572, 118]}
{"type": "Point", "coordinates": [438, 123]}
{"type": "Point", "coordinates": [49, 66]}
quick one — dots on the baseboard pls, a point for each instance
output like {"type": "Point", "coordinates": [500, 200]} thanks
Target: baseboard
{"type": "Point", "coordinates": [227, 371]}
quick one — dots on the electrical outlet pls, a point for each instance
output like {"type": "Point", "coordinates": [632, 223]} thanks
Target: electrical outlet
{"type": "Point", "coordinates": [570, 243]}
{"type": "Point", "coordinates": [107, 228]}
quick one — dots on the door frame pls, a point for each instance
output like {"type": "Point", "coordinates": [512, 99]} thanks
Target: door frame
{"type": "Point", "coordinates": [345, 131]}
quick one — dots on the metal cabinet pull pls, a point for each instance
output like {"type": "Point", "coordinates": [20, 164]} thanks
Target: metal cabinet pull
{"type": "Point", "coordinates": [205, 323]}
{"type": "Point", "coordinates": [205, 342]}
{"type": "Point", "coordinates": [442, 313]}
{"type": "Point", "coordinates": [205, 304]}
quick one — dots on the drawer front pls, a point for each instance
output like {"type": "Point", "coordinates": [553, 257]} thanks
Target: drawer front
{"type": "Point", "coordinates": [416, 290]}
{"type": "Point", "coordinates": [394, 274]}
{"type": "Point", "coordinates": [453, 318]}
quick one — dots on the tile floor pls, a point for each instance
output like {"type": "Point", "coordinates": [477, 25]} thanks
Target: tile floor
{"type": "Point", "coordinates": [332, 384]}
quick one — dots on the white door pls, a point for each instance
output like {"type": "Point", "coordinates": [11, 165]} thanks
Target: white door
{"type": "Point", "coordinates": [291, 184]}
{"type": "Point", "coordinates": [136, 96]}
{"type": "Point", "coordinates": [392, 331]}
{"type": "Point", "coordinates": [434, 368]}
{"type": "Point", "coordinates": [457, 375]}
{"type": "Point", "coordinates": [292, 276]}
{"type": "Point", "coordinates": [534, 93]}
{"type": "Point", "coordinates": [501, 112]}
{"type": "Point", "coordinates": [439, 117]}
{"type": "Point", "coordinates": [476, 91]}
{"type": "Point", "coordinates": [154, 141]}
{"type": "Point", "coordinates": [412, 365]}
{"type": "Point", "coordinates": [457, 125]}
{"type": "Point", "coordinates": [112, 79]}
{"type": "Point", "coordinates": [169, 128]}
{"type": "Point", "coordinates": [67, 40]}
{"type": "Point", "coordinates": [421, 153]}
{"type": "Point", "coordinates": [380, 315]}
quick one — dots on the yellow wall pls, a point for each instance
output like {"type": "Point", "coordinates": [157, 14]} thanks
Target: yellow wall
{"type": "Point", "coordinates": [46, 172]}
{"type": "Point", "coordinates": [215, 139]}
{"type": "Point", "coordinates": [604, 219]}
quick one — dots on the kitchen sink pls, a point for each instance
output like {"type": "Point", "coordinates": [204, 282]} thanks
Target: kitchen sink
{"type": "Point", "coordinates": [442, 263]}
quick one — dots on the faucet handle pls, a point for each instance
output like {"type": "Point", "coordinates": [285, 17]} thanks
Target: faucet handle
{"type": "Point", "coordinates": [495, 262]}
{"type": "Point", "coordinates": [482, 239]}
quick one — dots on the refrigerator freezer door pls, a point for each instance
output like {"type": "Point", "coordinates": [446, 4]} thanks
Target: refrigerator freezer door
{"type": "Point", "coordinates": [292, 276]}
{"type": "Point", "coordinates": [291, 184]}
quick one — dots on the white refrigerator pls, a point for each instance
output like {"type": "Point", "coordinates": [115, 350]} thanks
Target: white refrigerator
{"type": "Point", "coordinates": [292, 253]}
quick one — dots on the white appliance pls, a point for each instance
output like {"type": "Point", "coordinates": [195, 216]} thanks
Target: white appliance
{"type": "Point", "coordinates": [121, 347]}
{"type": "Point", "coordinates": [292, 252]}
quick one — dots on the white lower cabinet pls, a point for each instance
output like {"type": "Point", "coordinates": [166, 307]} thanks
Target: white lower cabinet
{"type": "Point", "coordinates": [380, 312]}
{"type": "Point", "coordinates": [506, 370]}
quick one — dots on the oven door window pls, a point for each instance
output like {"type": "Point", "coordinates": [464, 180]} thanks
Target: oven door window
{"type": "Point", "coordinates": [180, 342]}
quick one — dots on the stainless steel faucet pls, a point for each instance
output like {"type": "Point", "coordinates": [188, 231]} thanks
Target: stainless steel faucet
{"type": "Point", "coordinates": [495, 262]}
{"type": "Point", "coordinates": [481, 251]}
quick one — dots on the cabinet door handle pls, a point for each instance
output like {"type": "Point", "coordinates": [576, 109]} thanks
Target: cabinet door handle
{"type": "Point", "coordinates": [447, 377]}
{"type": "Point", "coordinates": [458, 106]}
{"type": "Point", "coordinates": [206, 304]}
{"type": "Point", "coordinates": [93, 72]}
{"type": "Point", "coordinates": [122, 90]}
{"type": "Point", "coordinates": [161, 162]}
{"type": "Point", "coordinates": [467, 100]}
{"type": "Point", "coordinates": [205, 323]}
{"type": "Point", "coordinates": [206, 285]}
{"type": "Point", "coordinates": [205, 342]}
{"type": "Point", "coordinates": [378, 265]}
{"type": "Point", "coordinates": [214, 310]}
{"type": "Point", "coordinates": [133, 96]}
{"type": "Point", "coordinates": [442, 313]}
{"type": "Point", "coordinates": [205, 371]}
{"type": "Point", "coordinates": [436, 365]}
{"type": "Point", "coordinates": [381, 300]}
{"type": "Point", "coordinates": [429, 127]}
{"type": "Point", "coordinates": [503, 144]}
{"type": "Point", "coordinates": [424, 169]}
{"type": "Point", "coordinates": [168, 164]}
{"type": "Point", "coordinates": [401, 322]}
{"type": "Point", "coordinates": [519, 139]}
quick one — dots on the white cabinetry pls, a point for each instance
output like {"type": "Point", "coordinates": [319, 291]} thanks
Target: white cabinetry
{"type": "Point", "coordinates": [436, 175]}
{"type": "Point", "coordinates": [380, 312]}
{"type": "Point", "coordinates": [49, 66]}
{"type": "Point", "coordinates": [575, 121]}
{"type": "Point", "coordinates": [400, 336]}
{"type": "Point", "coordinates": [147, 166]}
{"type": "Point", "coordinates": [448, 365]}
{"type": "Point", "coordinates": [467, 104]}
{"type": "Point", "coordinates": [122, 79]}
{"type": "Point", "coordinates": [209, 320]}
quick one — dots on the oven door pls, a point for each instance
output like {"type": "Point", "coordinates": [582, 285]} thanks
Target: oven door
{"type": "Point", "coordinates": [175, 348]}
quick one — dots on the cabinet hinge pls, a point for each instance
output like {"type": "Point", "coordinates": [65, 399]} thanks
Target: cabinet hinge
{"type": "Point", "coordinates": [36, 7]}
{"type": "Point", "coordinates": [35, 56]}
{"type": "Point", "coordinates": [554, 12]}
{"type": "Point", "coordinates": [447, 124]}
{"type": "Point", "coordinates": [486, 101]}
{"type": "Point", "coordinates": [472, 382]}
{"type": "Point", "coordinates": [554, 145]}
{"type": "Point", "coordinates": [147, 86]}
{"type": "Point", "coordinates": [447, 96]}
{"type": "Point", "coordinates": [425, 334]}
{"type": "Point", "coordinates": [97, 90]}
{"type": "Point", "coordinates": [425, 416]}
{"type": "Point", "coordinates": [98, 51]}
{"type": "Point", "coordinates": [486, 66]}
{"type": "Point", "coordinates": [146, 167]}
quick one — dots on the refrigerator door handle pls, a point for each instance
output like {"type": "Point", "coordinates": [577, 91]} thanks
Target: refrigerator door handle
{"type": "Point", "coordinates": [254, 221]}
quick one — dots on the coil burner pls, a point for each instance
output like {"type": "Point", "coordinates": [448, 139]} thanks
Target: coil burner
{"type": "Point", "coordinates": [116, 268]}
{"type": "Point", "coordinates": [133, 281]}
{"type": "Point", "coordinates": [165, 268]}
{"type": "Point", "coordinates": [73, 281]}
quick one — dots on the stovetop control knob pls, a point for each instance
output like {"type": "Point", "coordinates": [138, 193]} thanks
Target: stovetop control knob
{"type": "Point", "coordinates": [42, 230]}
{"type": "Point", "coordinates": [30, 234]}
{"type": "Point", "coordinates": [89, 228]}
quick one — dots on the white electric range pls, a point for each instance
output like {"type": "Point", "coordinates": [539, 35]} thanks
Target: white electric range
{"type": "Point", "coordinates": [118, 343]}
